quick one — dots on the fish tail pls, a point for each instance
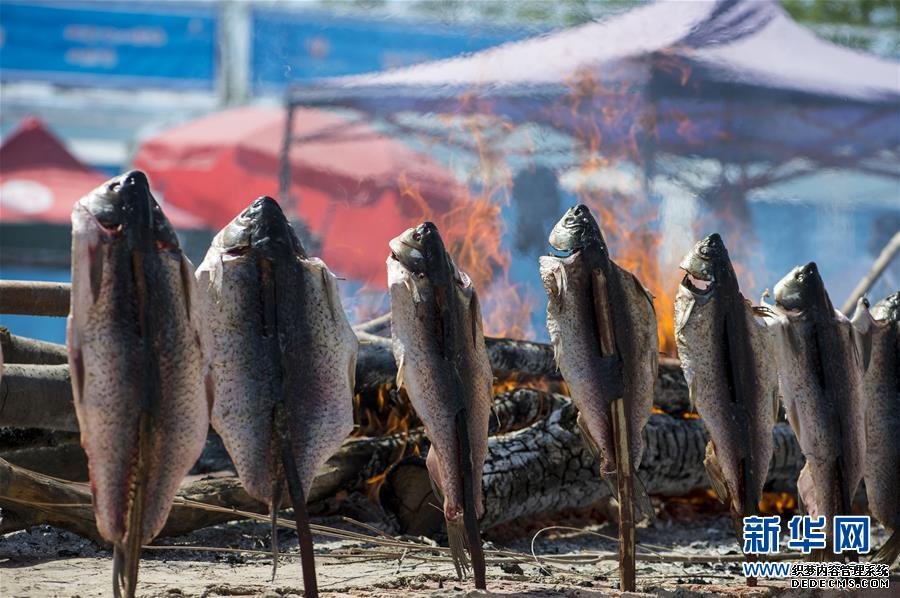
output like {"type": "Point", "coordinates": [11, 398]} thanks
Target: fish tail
{"type": "Point", "coordinates": [118, 573]}
{"type": "Point", "coordinates": [642, 499]}
{"type": "Point", "coordinates": [470, 520]}
{"type": "Point", "coordinates": [301, 517]}
{"type": "Point", "coordinates": [889, 552]}
{"type": "Point", "coordinates": [456, 538]}
{"type": "Point", "coordinates": [276, 502]}
{"type": "Point", "coordinates": [125, 568]}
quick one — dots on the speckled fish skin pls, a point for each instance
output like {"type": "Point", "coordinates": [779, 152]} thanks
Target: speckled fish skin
{"type": "Point", "coordinates": [120, 372]}
{"type": "Point", "coordinates": [879, 332]}
{"type": "Point", "coordinates": [820, 377]}
{"type": "Point", "coordinates": [426, 367]}
{"type": "Point", "coordinates": [308, 360]}
{"type": "Point", "coordinates": [569, 283]}
{"type": "Point", "coordinates": [726, 356]}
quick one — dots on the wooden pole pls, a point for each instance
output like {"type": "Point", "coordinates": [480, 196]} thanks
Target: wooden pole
{"type": "Point", "coordinates": [26, 297]}
{"type": "Point", "coordinates": [881, 263]}
{"type": "Point", "coordinates": [625, 480]}
{"type": "Point", "coordinates": [624, 474]}
{"type": "Point", "coordinates": [37, 396]}
{"type": "Point", "coordinates": [19, 349]}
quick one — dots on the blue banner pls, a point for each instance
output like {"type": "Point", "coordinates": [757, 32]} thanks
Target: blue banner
{"type": "Point", "coordinates": [109, 44]}
{"type": "Point", "coordinates": [288, 47]}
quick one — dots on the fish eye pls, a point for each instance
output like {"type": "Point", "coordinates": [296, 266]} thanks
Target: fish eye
{"type": "Point", "coordinates": [417, 237]}
{"type": "Point", "coordinates": [115, 186]}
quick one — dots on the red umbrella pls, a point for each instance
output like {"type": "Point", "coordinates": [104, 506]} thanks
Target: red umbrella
{"type": "Point", "coordinates": [40, 180]}
{"type": "Point", "coordinates": [344, 175]}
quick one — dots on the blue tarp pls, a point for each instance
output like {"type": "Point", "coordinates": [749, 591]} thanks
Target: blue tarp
{"type": "Point", "coordinates": [110, 44]}
{"type": "Point", "coordinates": [291, 46]}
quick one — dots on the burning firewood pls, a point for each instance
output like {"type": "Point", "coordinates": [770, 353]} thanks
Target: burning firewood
{"type": "Point", "coordinates": [537, 464]}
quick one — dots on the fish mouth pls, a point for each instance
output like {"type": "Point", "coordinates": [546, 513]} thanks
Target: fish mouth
{"type": "Point", "coordinates": [562, 253]}
{"type": "Point", "coordinates": [792, 293]}
{"type": "Point", "coordinates": [407, 255]}
{"type": "Point", "coordinates": [697, 285]}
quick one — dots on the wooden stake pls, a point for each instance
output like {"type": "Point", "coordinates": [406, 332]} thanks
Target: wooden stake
{"type": "Point", "coordinates": [624, 474]}
{"type": "Point", "coordinates": [626, 497]}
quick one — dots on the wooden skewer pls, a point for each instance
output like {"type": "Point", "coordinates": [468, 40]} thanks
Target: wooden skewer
{"type": "Point", "coordinates": [624, 474]}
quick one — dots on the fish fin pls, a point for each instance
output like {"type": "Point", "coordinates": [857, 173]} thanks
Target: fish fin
{"type": "Point", "coordinates": [117, 573]}
{"type": "Point", "coordinates": [400, 370]}
{"type": "Point", "coordinates": [76, 360]}
{"type": "Point", "coordinates": [456, 539]}
{"type": "Point", "coordinates": [716, 476]}
{"type": "Point", "coordinates": [889, 552]}
{"type": "Point", "coordinates": [328, 284]}
{"type": "Point", "coordinates": [560, 283]}
{"type": "Point", "coordinates": [806, 492]}
{"type": "Point", "coordinates": [640, 287]}
{"type": "Point", "coordinates": [611, 480]}
{"type": "Point", "coordinates": [642, 499]}
{"type": "Point", "coordinates": [187, 283]}
{"type": "Point", "coordinates": [589, 440]}
{"type": "Point", "coordinates": [557, 350]}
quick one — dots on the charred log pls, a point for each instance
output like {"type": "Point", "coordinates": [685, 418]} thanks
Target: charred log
{"type": "Point", "coordinates": [37, 396]}
{"type": "Point", "coordinates": [31, 298]}
{"type": "Point", "coordinates": [541, 468]}
{"type": "Point", "coordinates": [546, 468]}
{"type": "Point", "coordinates": [19, 349]}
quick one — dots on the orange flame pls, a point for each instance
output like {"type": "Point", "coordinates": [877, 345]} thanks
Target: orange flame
{"type": "Point", "coordinates": [472, 229]}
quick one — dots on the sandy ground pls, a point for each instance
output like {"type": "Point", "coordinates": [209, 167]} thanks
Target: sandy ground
{"type": "Point", "coordinates": [49, 562]}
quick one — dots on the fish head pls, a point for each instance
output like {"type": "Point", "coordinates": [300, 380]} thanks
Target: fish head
{"type": "Point", "coordinates": [707, 266]}
{"type": "Point", "coordinates": [888, 309]}
{"type": "Point", "coordinates": [577, 230]}
{"type": "Point", "coordinates": [262, 227]}
{"type": "Point", "coordinates": [127, 211]}
{"type": "Point", "coordinates": [801, 290]}
{"type": "Point", "coordinates": [421, 250]}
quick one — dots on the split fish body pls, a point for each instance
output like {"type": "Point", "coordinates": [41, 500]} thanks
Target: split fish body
{"type": "Point", "coordinates": [726, 356]}
{"type": "Point", "coordinates": [281, 355]}
{"type": "Point", "coordinates": [820, 380]}
{"type": "Point", "coordinates": [438, 343]}
{"type": "Point", "coordinates": [573, 285]}
{"type": "Point", "coordinates": [135, 359]}
{"type": "Point", "coordinates": [879, 341]}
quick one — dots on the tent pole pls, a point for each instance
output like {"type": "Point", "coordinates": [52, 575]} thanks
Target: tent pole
{"type": "Point", "coordinates": [284, 171]}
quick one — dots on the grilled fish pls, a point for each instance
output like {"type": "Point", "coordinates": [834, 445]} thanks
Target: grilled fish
{"type": "Point", "coordinates": [578, 286]}
{"type": "Point", "coordinates": [820, 376]}
{"type": "Point", "coordinates": [443, 365]}
{"type": "Point", "coordinates": [726, 355]}
{"type": "Point", "coordinates": [879, 340]}
{"type": "Point", "coordinates": [135, 359]}
{"type": "Point", "coordinates": [280, 359]}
